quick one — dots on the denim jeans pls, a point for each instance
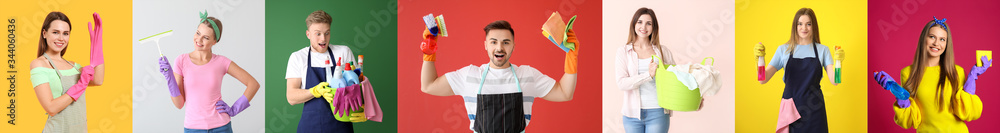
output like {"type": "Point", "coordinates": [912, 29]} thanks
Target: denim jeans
{"type": "Point", "coordinates": [649, 121]}
{"type": "Point", "coordinates": [228, 128]}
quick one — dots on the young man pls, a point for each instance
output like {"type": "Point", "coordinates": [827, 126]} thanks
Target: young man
{"type": "Point", "coordinates": [306, 76]}
{"type": "Point", "coordinates": [497, 93]}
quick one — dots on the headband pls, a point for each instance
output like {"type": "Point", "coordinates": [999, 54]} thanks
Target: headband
{"type": "Point", "coordinates": [941, 22]}
{"type": "Point", "coordinates": [204, 17]}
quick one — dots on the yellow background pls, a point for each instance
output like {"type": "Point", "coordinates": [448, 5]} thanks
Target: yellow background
{"type": "Point", "coordinates": [841, 23]}
{"type": "Point", "coordinates": [109, 107]}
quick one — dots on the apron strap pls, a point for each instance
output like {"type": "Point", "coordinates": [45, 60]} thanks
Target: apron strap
{"type": "Point", "coordinates": [816, 53]}
{"type": "Point", "coordinates": [482, 80]}
{"type": "Point", "coordinates": [309, 60]}
{"type": "Point", "coordinates": [54, 65]}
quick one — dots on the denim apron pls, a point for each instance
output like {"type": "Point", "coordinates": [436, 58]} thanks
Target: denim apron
{"type": "Point", "coordinates": [316, 114]}
{"type": "Point", "coordinates": [802, 77]}
{"type": "Point", "coordinates": [499, 113]}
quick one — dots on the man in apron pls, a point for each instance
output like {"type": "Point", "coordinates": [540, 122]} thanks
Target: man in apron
{"type": "Point", "coordinates": [498, 95]}
{"type": "Point", "coordinates": [307, 68]}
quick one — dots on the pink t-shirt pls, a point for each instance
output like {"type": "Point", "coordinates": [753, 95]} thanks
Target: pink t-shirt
{"type": "Point", "coordinates": [203, 88]}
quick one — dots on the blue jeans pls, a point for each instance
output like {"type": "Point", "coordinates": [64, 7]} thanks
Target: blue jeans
{"type": "Point", "coordinates": [649, 121]}
{"type": "Point", "coordinates": [228, 128]}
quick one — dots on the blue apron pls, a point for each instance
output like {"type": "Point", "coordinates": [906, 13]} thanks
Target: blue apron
{"type": "Point", "coordinates": [316, 114]}
{"type": "Point", "coordinates": [499, 113]}
{"type": "Point", "coordinates": [802, 77]}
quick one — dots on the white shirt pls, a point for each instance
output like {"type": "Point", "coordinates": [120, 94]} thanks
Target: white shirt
{"type": "Point", "coordinates": [647, 90]}
{"type": "Point", "coordinates": [297, 61]}
{"type": "Point", "coordinates": [466, 82]}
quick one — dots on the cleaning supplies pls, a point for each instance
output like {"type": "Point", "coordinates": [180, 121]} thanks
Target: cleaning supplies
{"type": "Point", "coordinates": [156, 39]}
{"type": "Point", "coordinates": [759, 49]}
{"type": "Point", "coordinates": [888, 83]}
{"type": "Point", "coordinates": [981, 53]}
{"type": "Point", "coordinates": [839, 57]}
{"type": "Point", "coordinates": [555, 30]}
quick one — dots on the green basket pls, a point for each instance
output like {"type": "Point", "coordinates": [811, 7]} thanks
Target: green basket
{"type": "Point", "coordinates": [671, 94]}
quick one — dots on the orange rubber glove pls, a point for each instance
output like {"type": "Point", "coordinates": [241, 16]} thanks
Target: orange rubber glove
{"type": "Point", "coordinates": [571, 56]}
{"type": "Point", "coordinates": [429, 46]}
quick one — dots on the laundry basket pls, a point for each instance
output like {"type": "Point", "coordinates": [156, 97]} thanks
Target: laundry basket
{"type": "Point", "coordinates": [671, 94]}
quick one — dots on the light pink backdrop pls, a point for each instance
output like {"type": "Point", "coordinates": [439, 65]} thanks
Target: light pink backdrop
{"type": "Point", "coordinates": [692, 30]}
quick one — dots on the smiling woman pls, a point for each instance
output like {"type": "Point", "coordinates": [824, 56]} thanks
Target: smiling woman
{"type": "Point", "coordinates": [60, 84]}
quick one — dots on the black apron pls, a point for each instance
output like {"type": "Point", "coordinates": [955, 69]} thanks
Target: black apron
{"type": "Point", "coordinates": [499, 113]}
{"type": "Point", "coordinates": [802, 77]}
{"type": "Point", "coordinates": [316, 114]}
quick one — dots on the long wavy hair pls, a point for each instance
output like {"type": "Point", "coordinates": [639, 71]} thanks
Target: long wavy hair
{"type": "Point", "coordinates": [947, 64]}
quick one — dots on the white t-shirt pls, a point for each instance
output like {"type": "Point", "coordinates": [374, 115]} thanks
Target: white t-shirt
{"type": "Point", "coordinates": [466, 82]}
{"type": "Point", "coordinates": [647, 90]}
{"type": "Point", "coordinates": [297, 61]}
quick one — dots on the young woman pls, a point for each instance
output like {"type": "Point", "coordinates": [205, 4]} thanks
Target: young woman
{"type": "Point", "coordinates": [59, 84]}
{"type": "Point", "coordinates": [937, 102]}
{"type": "Point", "coordinates": [804, 59]}
{"type": "Point", "coordinates": [635, 69]}
{"type": "Point", "coordinates": [198, 82]}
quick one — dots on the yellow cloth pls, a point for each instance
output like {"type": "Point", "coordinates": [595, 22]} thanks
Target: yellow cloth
{"type": "Point", "coordinates": [928, 114]}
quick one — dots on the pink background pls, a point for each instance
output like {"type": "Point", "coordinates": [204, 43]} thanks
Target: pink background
{"type": "Point", "coordinates": [973, 24]}
{"type": "Point", "coordinates": [692, 30]}
{"type": "Point", "coordinates": [421, 112]}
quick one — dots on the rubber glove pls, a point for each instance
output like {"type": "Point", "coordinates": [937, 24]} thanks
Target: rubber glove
{"type": "Point", "coordinates": [86, 75]}
{"type": "Point", "coordinates": [758, 50]}
{"type": "Point", "coordinates": [240, 105]}
{"type": "Point", "coordinates": [96, 41]}
{"type": "Point", "coordinates": [429, 46]}
{"type": "Point", "coordinates": [970, 82]}
{"type": "Point", "coordinates": [888, 83]}
{"type": "Point", "coordinates": [320, 89]}
{"type": "Point", "coordinates": [359, 117]}
{"type": "Point", "coordinates": [347, 99]}
{"type": "Point", "coordinates": [839, 54]}
{"type": "Point", "coordinates": [569, 66]}
{"type": "Point", "coordinates": [168, 73]}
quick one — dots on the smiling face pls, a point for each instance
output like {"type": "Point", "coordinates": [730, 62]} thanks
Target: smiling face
{"type": "Point", "coordinates": [57, 36]}
{"type": "Point", "coordinates": [204, 38]}
{"type": "Point", "coordinates": [936, 41]}
{"type": "Point", "coordinates": [804, 27]}
{"type": "Point", "coordinates": [499, 45]}
{"type": "Point", "coordinates": [319, 36]}
{"type": "Point", "coordinates": [644, 26]}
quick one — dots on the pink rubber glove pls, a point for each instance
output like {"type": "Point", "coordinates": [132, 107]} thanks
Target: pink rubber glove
{"type": "Point", "coordinates": [347, 99]}
{"type": "Point", "coordinates": [86, 74]}
{"type": "Point", "coordinates": [96, 41]}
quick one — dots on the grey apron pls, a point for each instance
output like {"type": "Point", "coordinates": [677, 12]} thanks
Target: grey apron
{"type": "Point", "coordinates": [72, 119]}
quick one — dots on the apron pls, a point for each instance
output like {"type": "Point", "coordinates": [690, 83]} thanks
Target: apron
{"type": "Point", "coordinates": [72, 119]}
{"type": "Point", "coordinates": [802, 77]}
{"type": "Point", "coordinates": [499, 113]}
{"type": "Point", "coordinates": [316, 114]}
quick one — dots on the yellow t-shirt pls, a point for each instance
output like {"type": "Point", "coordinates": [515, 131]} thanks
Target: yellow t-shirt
{"type": "Point", "coordinates": [927, 113]}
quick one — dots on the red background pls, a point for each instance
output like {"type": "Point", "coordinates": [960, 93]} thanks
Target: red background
{"type": "Point", "coordinates": [973, 27]}
{"type": "Point", "coordinates": [420, 112]}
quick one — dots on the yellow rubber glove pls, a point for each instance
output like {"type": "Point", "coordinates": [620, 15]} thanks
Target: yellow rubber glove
{"type": "Point", "coordinates": [839, 54]}
{"type": "Point", "coordinates": [758, 50]}
{"type": "Point", "coordinates": [330, 94]}
{"type": "Point", "coordinates": [359, 117]}
{"type": "Point", "coordinates": [570, 64]}
{"type": "Point", "coordinates": [320, 89]}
